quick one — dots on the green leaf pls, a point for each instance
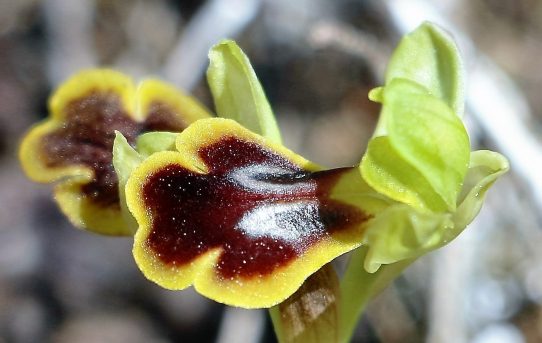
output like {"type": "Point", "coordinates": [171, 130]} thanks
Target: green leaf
{"type": "Point", "coordinates": [430, 57]}
{"type": "Point", "coordinates": [421, 157]}
{"type": "Point", "coordinates": [236, 91]}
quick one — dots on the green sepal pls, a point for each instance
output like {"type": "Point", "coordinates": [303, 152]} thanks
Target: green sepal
{"type": "Point", "coordinates": [376, 94]}
{"type": "Point", "coordinates": [151, 142]}
{"type": "Point", "coordinates": [236, 91]}
{"type": "Point", "coordinates": [400, 232]}
{"type": "Point", "coordinates": [126, 159]}
{"type": "Point", "coordinates": [384, 169]}
{"type": "Point", "coordinates": [485, 168]}
{"type": "Point", "coordinates": [421, 151]}
{"type": "Point", "coordinates": [430, 57]}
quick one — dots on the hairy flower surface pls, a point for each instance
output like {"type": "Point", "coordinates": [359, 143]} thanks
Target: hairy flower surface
{"type": "Point", "coordinates": [242, 218]}
{"type": "Point", "coordinates": [74, 145]}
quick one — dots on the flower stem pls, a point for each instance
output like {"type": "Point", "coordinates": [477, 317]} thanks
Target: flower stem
{"type": "Point", "coordinates": [359, 286]}
{"type": "Point", "coordinates": [274, 313]}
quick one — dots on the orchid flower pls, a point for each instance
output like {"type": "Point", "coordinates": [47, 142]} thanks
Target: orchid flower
{"type": "Point", "coordinates": [74, 145]}
{"type": "Point", "coordinates": [221, 204]}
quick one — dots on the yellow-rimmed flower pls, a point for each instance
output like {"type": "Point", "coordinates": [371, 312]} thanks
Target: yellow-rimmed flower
{"type": "Point", "coordinates": [243, 219]}
{"type": "Point", "coordinates": [74, 145]}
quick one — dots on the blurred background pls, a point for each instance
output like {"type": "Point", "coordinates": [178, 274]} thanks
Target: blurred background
{"type": "Point", "coordinates": [317, 60]}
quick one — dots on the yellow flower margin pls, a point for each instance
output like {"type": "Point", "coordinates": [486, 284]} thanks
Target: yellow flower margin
{"type": "Point", "coordinates": [254, 292]}
{"type": "Point", "coordinates": [135, 101]}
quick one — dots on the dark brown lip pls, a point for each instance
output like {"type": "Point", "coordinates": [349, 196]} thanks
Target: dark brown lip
{"type": "Point", "coordinates": [262, 210]}
{"type": "Point", "coordinates": [86, 138]}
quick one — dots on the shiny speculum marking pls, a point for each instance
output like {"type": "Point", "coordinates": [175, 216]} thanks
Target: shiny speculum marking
{"type": "Point", "coordinates": [259, 208]}
{"type": "Point", "coordinates": [86, 137]}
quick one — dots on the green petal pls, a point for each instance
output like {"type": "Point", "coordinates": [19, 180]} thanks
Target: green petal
{"type": "Point", "coordinates": [151, 142]}
{"type": "Point", "coordinates": [386, 171]}
{"type": "Point", "coordinates": [423, 156]}
{"type": "Point", "coordinates": [237, 93]}
{"type": "Point", "coordinates": [377, 94]}
{"type": "Point", "coordinates": [401, 233]}
{"type": "Point", "coordinates": [125, 160]}
{"type": "Point", "coordinates": [485, 167]}
{"type": "Point", "coordinates": [430, 57]}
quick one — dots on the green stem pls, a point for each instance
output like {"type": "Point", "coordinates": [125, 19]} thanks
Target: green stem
{"type": "Point", "coordinates": [358, 287]}
{"type": "Point", "coordinates": [274, 313]}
